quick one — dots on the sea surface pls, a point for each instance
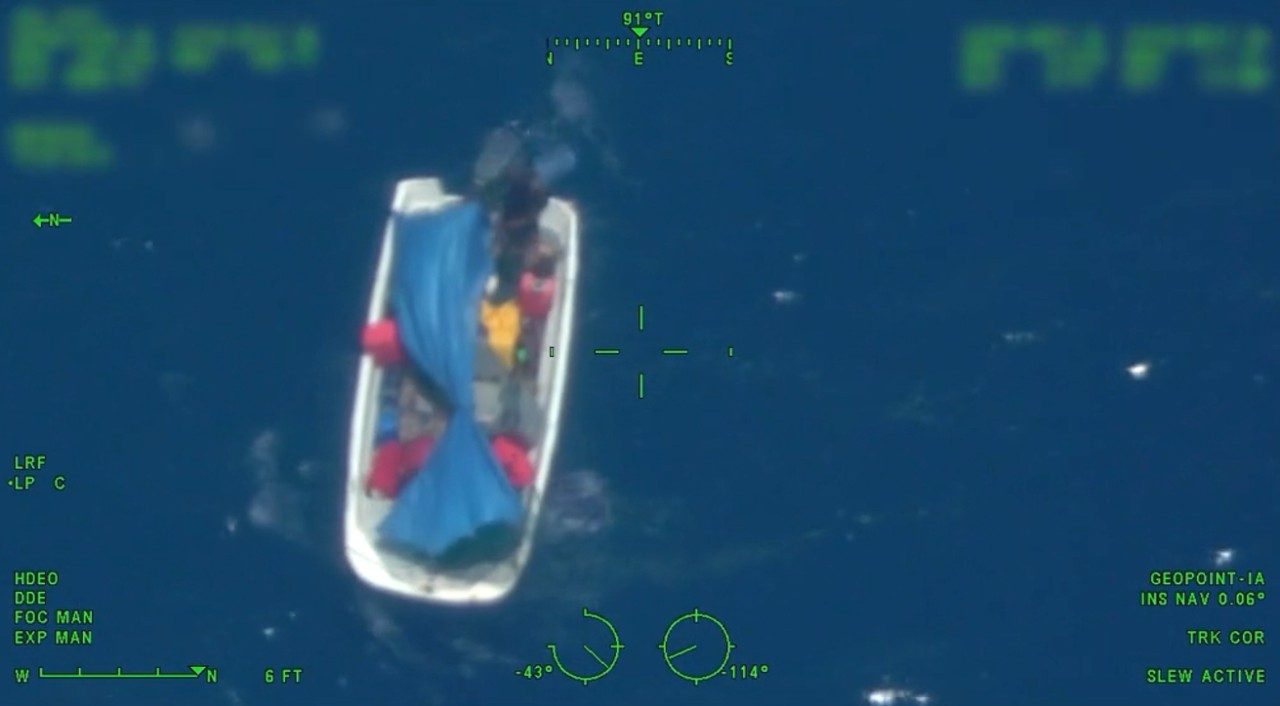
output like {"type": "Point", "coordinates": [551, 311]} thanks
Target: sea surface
{"type": "Point", "coordinates": [998, 354]}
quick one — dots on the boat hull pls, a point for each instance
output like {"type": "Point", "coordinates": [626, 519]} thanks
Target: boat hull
{"type": "Point", "coordinates": [487, 581]}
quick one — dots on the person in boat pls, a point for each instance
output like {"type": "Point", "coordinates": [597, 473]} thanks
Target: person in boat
{"type": "Point", "coordinates": [420, 419]}
{"type": "Point", "coordinates": [516, 225]}
{"type": "Point", "coordinates": [535, 294]}
{"type": "Point", "coordinates": [508, 413]}
{"type": "Point", "coordinates": [516, 197]}
{"type": "Point", "coordinates": [514, 191]}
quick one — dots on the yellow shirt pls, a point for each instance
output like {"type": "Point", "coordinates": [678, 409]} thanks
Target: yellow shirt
{"type": "Point", "coordinates": [502, 328]}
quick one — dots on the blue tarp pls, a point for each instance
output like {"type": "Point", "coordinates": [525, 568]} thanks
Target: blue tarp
{"type": "Point", "coordinates": [441, 264]}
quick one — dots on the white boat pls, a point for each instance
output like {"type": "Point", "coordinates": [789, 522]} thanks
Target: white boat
{"type": "Point", "coordinates": [491, 580]}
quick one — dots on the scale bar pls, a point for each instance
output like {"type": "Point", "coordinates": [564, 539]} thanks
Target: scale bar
{"type": "Point", "coordinates": [117, 675]}
{"type": "Point", "coordinates": [641, 385]}
{"type": "Point", "coordinates": [121, 674]}
{"type": "Point", "coordinates": [608, 351]}
{"type": "Point", "coordinates": [675, 351]}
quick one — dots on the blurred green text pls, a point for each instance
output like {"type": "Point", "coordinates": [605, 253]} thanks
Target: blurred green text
{"type": "Point", "coordinates": [1224, 57]}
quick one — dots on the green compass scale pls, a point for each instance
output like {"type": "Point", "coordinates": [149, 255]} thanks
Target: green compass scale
{"type": "Point", "coordinates": [601, 665]}
{"type": "Point", "coordinates": [696, 647]}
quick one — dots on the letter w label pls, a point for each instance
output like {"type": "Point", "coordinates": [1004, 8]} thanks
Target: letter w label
{"type": "Point", "coordinates": [21, 675]}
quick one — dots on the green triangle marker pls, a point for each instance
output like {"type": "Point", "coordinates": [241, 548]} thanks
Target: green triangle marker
{"type": "Point", "coordinates": [639, 31]}
{"type": "Point", "coordinates": [197, 668]}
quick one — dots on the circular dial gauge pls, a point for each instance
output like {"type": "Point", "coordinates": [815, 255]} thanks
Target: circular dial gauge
{"type": "Point", "coordinates": [696, 646]}
{"type": "Point", "coordinates": [604, 665]}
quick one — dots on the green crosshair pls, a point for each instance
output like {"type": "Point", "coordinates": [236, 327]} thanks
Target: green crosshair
{"type": "Point", "coordinates": [640, 373]}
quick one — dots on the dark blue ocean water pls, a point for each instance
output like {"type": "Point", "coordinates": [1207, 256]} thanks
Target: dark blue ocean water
{"type": "Point", "coordinates": [928, 470]}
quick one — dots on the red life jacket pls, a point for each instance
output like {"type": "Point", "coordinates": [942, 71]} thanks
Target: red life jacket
{"type": "Point", "coordinates": [385, 475]}
{"type": "Point", "coordinates": [414, 453]}
{"type": "Point", "coordinates": [394, 463]}
{"type": "Point", "coordinates": [381, 339]}
{"type": "Point", "coordinates": [535, 294]}
{"type": "Point", "coordinates": [514, 458]}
